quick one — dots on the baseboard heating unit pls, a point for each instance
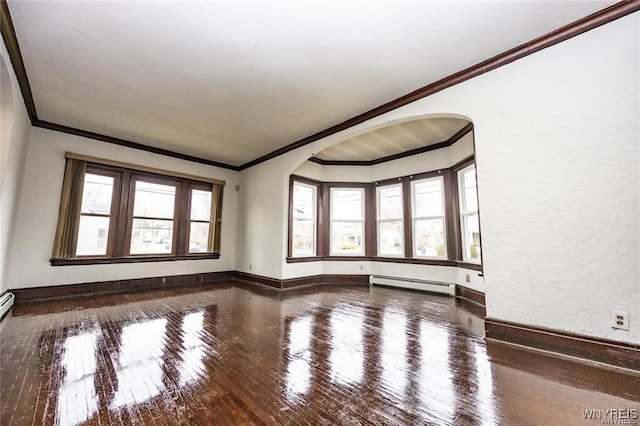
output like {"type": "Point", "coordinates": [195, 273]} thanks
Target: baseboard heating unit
{"type": "Point", "coordinates": [414, 284]}
{"type": "Point", "coordinates": [6, 302]}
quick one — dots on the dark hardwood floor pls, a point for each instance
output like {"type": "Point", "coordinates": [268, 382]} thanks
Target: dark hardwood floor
{"type": "Point", "coordinates": [241, 354]}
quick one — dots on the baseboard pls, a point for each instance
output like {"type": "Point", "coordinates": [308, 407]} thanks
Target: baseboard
{"type": "Point", "coordinates": [123, 286]}
{"type": "Point", "coordinates": [470, 295]}
{"type": "Point", "coordinates": [289, 283]}
{"type": "Point", "coordinates": [117, 286]}
{"type": "Point", "coordinates": [609, 352]}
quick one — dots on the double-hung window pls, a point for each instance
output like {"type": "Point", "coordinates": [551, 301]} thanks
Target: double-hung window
{"type": "Point", "coordinates": [347, 221]}
{"type": "Point", "coordinates": [390, 220]}
{"type": "Point", "coordinates": [470, 224]}
{"type": "Point", "coordinates": [96, 210]}
{"type": "Point", "coordinates": [154, 216]}
{"type": "Point", "coordinates": [199, 218]}
{"type": "Point", "coordinates": [304, 219]}
{"type": "Point", "coordinates": [113, 212]}
{"type": "Point", "coordinates": [428, 218]}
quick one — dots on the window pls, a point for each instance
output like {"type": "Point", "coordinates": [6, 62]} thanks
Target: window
{"type": "Point", "coordinates": [390, 220]}
{"type": "Point", "coordinates": [110, 213]}
{"type": "Point", "coordinates": [347, 221]}
{"type": "Point", "coordinates": [153, 224]}
{"type": "Point", "coordinates": [428, 218]}
{"type": "Point", "coordinates": [304, 214]}
{"type": "Point", "coordinates": [470, 224]}
{"type": "Point", "coordinates": [95, 214]}
{"type": "Point", "coordinates": [199, 220]}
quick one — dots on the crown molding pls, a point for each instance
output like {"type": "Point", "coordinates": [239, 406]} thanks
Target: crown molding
{"type": "Point", "coordinates": [578, 27]}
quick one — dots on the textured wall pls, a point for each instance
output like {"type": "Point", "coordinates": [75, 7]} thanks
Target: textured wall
{"type": "Point", "coordinates": [559, 183]}
{"type": "Point", "coordinates": [40, 200]}
{"type": "Point", "coordinates": [13, 148]}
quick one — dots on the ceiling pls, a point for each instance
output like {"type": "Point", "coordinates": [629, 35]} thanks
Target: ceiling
{"type": "Point", "coordinates": [393, 140]}
{"type": "Point", "coordinates": [231, 81]}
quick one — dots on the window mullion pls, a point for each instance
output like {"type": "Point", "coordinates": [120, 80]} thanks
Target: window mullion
{"type": "Point", "coordinates": [181, 218]}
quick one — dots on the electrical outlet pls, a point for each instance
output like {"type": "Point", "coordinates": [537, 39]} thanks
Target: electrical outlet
{"type": "Point", "coordinates": [620, 320]}
{"type": "Point", "coordinates": [250, 266]}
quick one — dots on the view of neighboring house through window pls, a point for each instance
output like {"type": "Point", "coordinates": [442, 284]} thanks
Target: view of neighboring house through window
{"type": "Point", "coordinates": [304, 206]}
{"type": "Point", "coordinates": [93, 231]}
{"type": "Point", "coordinates": [390, 223]}
{"type": "Point", "coordinates": [428, 218]}
{"type": "Point", "coordinates": [469, 214]}
{"type": "Point", "coordinates": [153, 218]}
{"type": "Point", "coordinates": [199, 221]}
{"type": "Point", "coordinates": [347, 221]}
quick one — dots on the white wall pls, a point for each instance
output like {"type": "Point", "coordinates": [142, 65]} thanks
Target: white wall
{"type": "Point", "coordinates": [15, 128]}
{"type": "Point", "coordinates": [556, 136]}
{"type": "Point", "coordinates": [40, 200]}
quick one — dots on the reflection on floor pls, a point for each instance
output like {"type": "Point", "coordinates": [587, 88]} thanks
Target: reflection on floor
{"type": "Point", "coordinates": [237, 354]}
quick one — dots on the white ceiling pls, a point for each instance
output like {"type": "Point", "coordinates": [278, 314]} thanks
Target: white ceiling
{"type": "Point", "coordinates": [394, 139]}
{"type": "Point", "coordinates": [231, 81]}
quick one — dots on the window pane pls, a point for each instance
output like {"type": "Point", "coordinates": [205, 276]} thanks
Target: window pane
{"type": "Point", "coordinates": [470, 193]}
{"type": "Point", "coordinates": [390, 202]}
{"type": "Point", "coordinates": [390, 237]}
{"type": "Point", "coordinates": [199, 237]}
{"type": "Point", "coordinates": [153, 200]}
{"type": "Point", "coordinates": [303, 239]}
{"type": "Point", "coordinates": [200, 205]}
{"type": "Point", "coordinates": [151, 236]}
{"type": "Point", "coordinates": [346, 204]}
{"type": "Point", "coordinates": [303, 201]}
{"type": "Point", "coordinates": [429, 237]}
{"type": "Point", "coordinates": [471, 237]}
{"type": "Point", "coordinates": [92, 236]}
{"type": "Point", "coordinates": [427, 198]}
{"type": "Point", "coordinates": [96, 194]}
{"type": "Point", "coordinates": [346, 237]}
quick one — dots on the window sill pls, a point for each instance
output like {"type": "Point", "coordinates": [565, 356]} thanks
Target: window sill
{"type": "Point", "coordinates": [435, 262]}
{"type": "Point", "coordinates": [130, 259]}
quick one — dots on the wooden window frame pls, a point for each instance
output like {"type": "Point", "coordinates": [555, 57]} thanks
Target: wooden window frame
{"type": "Point", "coordinates": [453, 246]}
{"type": "Point", "coordinates": [413, 218]}
{"type": "Point", "coordinates": [121, 216]}
{"type": "Point", "coordinates": [316, 219]}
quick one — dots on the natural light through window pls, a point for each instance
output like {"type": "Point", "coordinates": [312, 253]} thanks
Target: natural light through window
{"type": "Point", "coordinates": [470, 223]}
{"type": "Point", "coordinates": [347, 221]}
{"type": "Point", "coordinates": [153, 214]}
{"type": "Point", "coordinates": [199, 221]}
{"type": "Point", "coordinates": [428, 218]}
{"type": "Point", "coordinates": [390, 223]}
{"type": "Point", "coordinates": [303, 239]}
{"type": "Point", "coordinates": [95, 214]}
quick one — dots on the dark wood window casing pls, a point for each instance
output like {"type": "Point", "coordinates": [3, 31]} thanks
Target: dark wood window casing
{"type": "Point", "coordinates": [122, 215]}
{"type": "Point", "coordinates": [451, 219]}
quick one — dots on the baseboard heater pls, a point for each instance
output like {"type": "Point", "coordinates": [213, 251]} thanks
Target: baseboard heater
{"type": "Point", "coordinates": [6, 302]}
{"type": "Point", "coordinates": [414, 284]}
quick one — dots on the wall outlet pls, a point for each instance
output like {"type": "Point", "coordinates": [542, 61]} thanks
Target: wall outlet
{"type": "Point", "coordinates": [467, 278]}
{"type": "Point", "coordinates": [620, 320]}
{"type": "Point", "coordinates": [250, 266]}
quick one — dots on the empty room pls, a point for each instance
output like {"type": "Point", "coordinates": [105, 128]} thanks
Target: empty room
{"type": "Point", "coordinates": [279, 212]}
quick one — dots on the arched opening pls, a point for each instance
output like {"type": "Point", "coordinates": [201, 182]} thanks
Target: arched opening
{"type": "Point", "coordinates": [405, 192]}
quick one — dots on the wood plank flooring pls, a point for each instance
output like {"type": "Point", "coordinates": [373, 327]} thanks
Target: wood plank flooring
{"type": "Point", "coordinates": [241, 354]}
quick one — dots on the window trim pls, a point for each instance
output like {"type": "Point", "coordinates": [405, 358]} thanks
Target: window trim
{"type": "Point", "coordinates": [379, 221]}
{"type": "Point", "coordinates": [442, 217]}
{"type": "Point", "coordinates": [463, 213]}
{"type": "Point", "coordinates": [316, 195]}
{"type": "Point", "coordinates": [121, 214]}
{"type": "Point", "coordinates": [452, 257]}
{"type": "Point", "coordinates": [362, 222]}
